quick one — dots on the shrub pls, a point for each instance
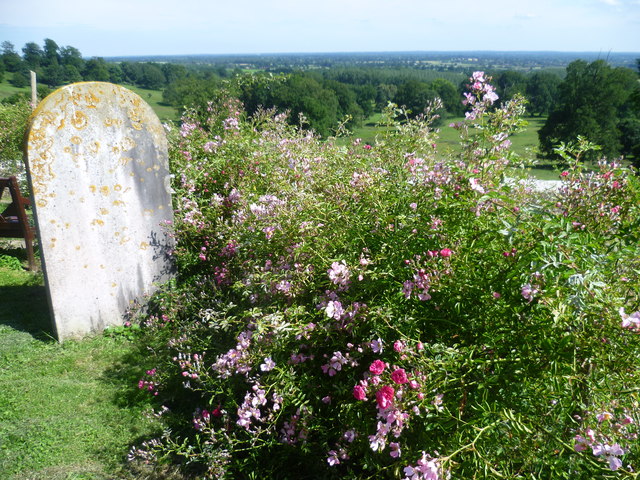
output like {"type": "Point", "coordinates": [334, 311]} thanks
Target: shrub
{"type": "Point", "coordinates": [378, 311]}
{"type": "Point", "coordinates": [13, 123]}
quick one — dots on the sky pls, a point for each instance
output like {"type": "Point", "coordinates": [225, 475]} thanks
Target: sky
{"type": "Point", "coordinates": [106, 28]}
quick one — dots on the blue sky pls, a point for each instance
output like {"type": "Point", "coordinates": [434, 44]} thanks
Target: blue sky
{"type": "Point", "coordinates": [156, 27]}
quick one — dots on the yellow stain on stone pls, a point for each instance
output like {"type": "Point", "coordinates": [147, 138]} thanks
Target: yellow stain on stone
{"type": "Point", "coordinates": [41, 203]}
{"type": "Point", "coordinates": [78, 247]}
{"type": "Point", "coordinates": [79, 120]}
{"type": "Point", "coordinates": [76, 140]}
{"type": "Point", "coordinates": [112, 122]}
{"type": "Point", "coordinates": [104, 190]}
{"type": "Point", "coordinates": [144, 245]}
{"type": "Point", "coordinates": [117, 203]}
{"type": "Point", "coordinates": [147, 211]}
{"type": "Point", "coordinates": [128, 143]}
{"type": "Point", "coordinates": [92, 188]}
{"type": "Point", "coordinates": [124, 161]}
{"type": "Point", "coordinates": [117, 187]}
{"type": "Point", "coordinates": [97, 221]}
{"type": "Point", "coordinates": [104, 211]}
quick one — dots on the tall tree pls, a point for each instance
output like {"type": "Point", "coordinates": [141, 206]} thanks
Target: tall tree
{"type": "Point", "coordinates": [449, 95]}
{"type": "Point", "coordinates": [51, 53]}
{"type": "Point", "coordinates": [32, 55]}
{"type": "Point", "coordinates": [590, 100]}
{"type": "Point", "coordinates": [509, 83]}
{"type": "Point", "coordinates": [415, 96]}
{"type": "Point", "coordinates": [10, 57]}
{"type": "Point", "coordinates": [541, 92]}
{"type": "Point", "coordinates": [96, 69]}
{"type": "Point", "coordinates": [71, 56]}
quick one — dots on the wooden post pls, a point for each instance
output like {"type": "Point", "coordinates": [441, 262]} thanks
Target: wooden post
{"type": "Point", "coordinates": [34, 90]}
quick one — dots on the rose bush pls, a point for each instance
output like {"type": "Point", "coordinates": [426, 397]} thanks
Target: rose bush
{"type": "Point", "coordinates": [382, 311]}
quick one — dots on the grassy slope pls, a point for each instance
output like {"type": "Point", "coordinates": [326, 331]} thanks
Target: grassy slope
{"type": "Point", "coordinates": [67, 411]}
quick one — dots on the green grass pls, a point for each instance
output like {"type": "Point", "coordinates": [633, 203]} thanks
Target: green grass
{"type": "Point", "coordinates": [6, 89]}
{"type": "Point", "coordinates": [154, 99]}
{"type": "Point", "coordinates": [67, 411]}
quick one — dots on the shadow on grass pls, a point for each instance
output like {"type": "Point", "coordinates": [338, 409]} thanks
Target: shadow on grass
{"type": "Point", "coordinates": [25, 308]}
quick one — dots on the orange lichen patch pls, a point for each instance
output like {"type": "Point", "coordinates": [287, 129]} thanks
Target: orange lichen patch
{"type": "Point", "coordinates": [79, 120]}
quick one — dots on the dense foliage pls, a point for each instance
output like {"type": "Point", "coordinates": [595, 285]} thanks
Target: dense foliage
{"type": "Point", "coordinates": [600, 103]}
{"type": "Point", "coordinates": [378, 311]}
{"type": "Point", "coordinates": [13, 121]}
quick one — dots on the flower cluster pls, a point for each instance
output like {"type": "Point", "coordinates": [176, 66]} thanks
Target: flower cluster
{"type": "Point", "coordinates": [601, 439]}
{"type": "Point", "coordinates": [427, 468]}
{"type": "Point", "coordinates": [481, 95]}
{"type": "Point", "coordinates": [630, 322]}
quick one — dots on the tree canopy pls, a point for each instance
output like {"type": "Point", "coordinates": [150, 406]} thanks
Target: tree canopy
{"type": "Point", "coordinates": [592, 101]}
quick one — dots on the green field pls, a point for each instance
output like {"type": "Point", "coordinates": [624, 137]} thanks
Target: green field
{"type": "Point", "coordinates": [7, 90]}
{"type": "Point", "coordinates": [154, 99]}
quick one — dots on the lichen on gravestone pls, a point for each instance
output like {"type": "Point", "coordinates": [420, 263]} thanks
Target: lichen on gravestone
{"type": "Point", "coordinates": [98, 172]}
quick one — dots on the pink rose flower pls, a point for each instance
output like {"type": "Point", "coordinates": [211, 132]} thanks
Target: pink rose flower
{"type": "Point", "coordinates": [359, 392]}
{"type": "Point", "coordinates": [377, 367]}
{"type": "Point", "coordinates": [384, 396]}
{"type": "Point", "coordinates": [399, 376]}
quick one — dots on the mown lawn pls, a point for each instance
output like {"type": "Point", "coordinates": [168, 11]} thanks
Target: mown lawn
{"type": "Point", "coordinates": [67, 411]}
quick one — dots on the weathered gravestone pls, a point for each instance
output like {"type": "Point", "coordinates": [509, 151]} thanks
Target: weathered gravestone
{"type": "Point", "coordinates": [98, 170]}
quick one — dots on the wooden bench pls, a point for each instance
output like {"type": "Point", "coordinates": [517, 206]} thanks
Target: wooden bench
{"type": "Point", "coordinates": [13, 220]}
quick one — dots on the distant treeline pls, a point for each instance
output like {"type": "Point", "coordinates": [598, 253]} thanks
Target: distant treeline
{"type": "Point", "coordinates": [329, 89]}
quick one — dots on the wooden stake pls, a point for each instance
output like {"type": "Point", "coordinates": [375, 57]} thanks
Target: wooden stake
{"type": "Point", "coordinates": [34, 90]}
